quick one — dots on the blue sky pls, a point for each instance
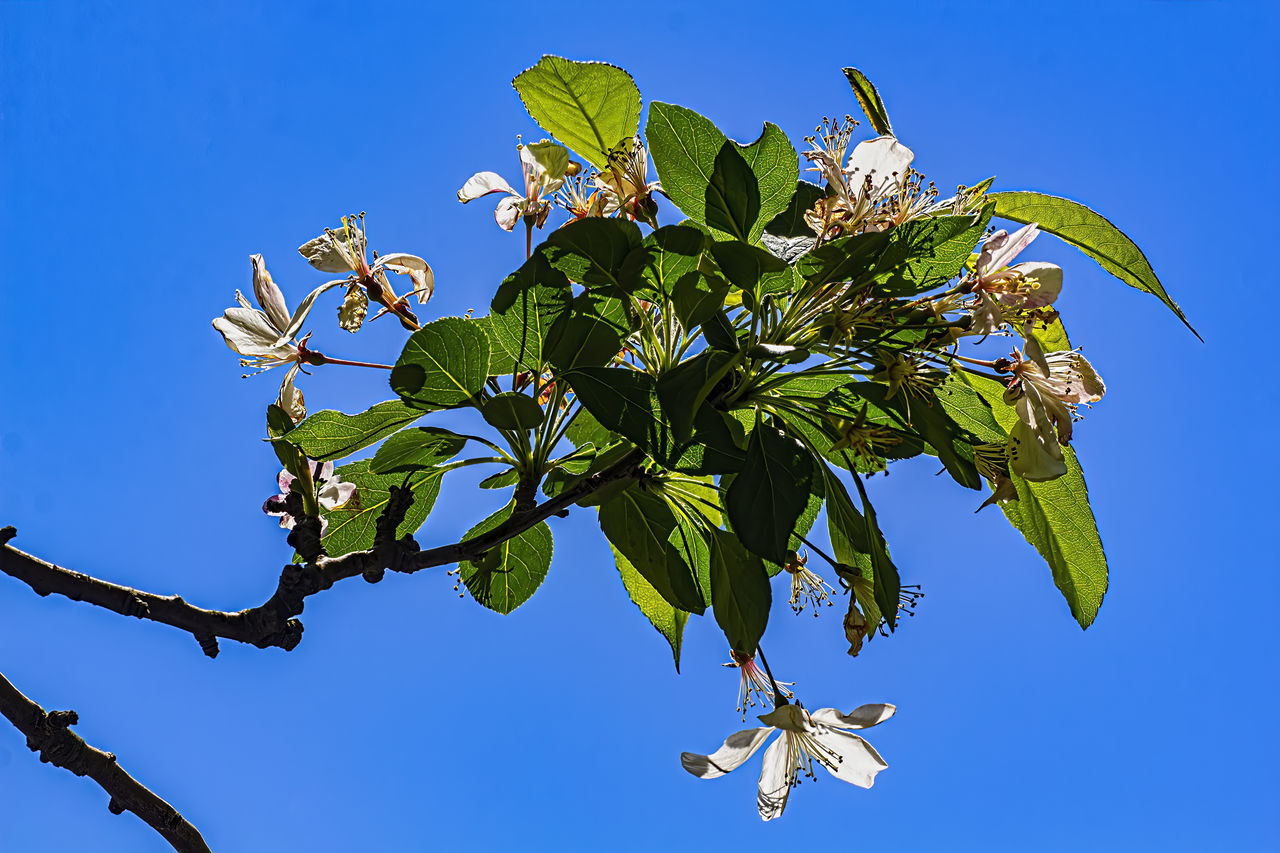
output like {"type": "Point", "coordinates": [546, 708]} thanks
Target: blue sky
{"type": "Point", "coordinates": [146, 149]}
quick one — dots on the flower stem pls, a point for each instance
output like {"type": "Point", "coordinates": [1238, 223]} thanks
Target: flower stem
{"type": "Point", "coordinates": [331, 360]}
{"type": "Point", "coordinates": [778, 698]}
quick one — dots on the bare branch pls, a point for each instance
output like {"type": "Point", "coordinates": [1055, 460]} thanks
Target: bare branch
{"type": "Point", "coordinates": [49, 735]}
{"type": "Point", "coordinates": [272, 623]}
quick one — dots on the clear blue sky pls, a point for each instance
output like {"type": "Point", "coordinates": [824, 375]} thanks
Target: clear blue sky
{"type": "Point", "coordinates": [146, 149]}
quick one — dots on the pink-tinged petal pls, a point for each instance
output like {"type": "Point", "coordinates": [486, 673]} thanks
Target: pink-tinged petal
{"type": "Point", "coordinates": [482, 184]}
{"type": "Point", "coordinates": [861, 717]}
{"type": "Point", "coordinates": [249, 332]}
{"type": "Point", "coordinates": [323, 471]}
{"type": "Point", "coordinates": [737, 748]}
{"type": "Point", "coordinates": [268, 293]}
{"type": "Point", "coordinates": [859, 762]}
{"type": "Point", "coordinates": [885, 159]}
{"type": "Point", "coordinates": [285, 480]}
{"type": "Point", "coordinates": [1009, 248]}
{"type": "Point", "coordinates": [508, 212]}
{"type": "Point", "coordinates": [1045, 282]}
{"type": "Point", "coordinates": [274, 505]}
{"type": "Point", "coordinates": [775, 779]}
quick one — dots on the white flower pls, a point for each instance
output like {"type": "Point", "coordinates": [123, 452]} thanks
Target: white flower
{"type": "Point", "coordinates": [264, 336]}
{"type": "Point", "coordinates": [823, 737]}
{"type": "Point", "coordinates": [1021, 287]}
{"type": "Point", "coordinates": [543, 165]}
{"type": "Point", "coordinates": [876, 172]}
{"type": "Point", "coordinates": [1048, 388]}
{"type": "Point", "coordinates": [343, 251]}
{"type": "Point", "coordinates": [331, 493]}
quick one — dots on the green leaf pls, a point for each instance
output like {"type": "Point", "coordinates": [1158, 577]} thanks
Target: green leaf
{"type": "Point", "coordinates": [1092, 234]}
{"type": "Point", "coordinates": [589, 334]}
{"type": "Point", "coordinates": [768, 496]}
{"type": "Point", "coordinates": [500, 480]}
{"type": "Point", "coordinates": [927, 253]}
{"type": "Point", "coordinates": [851, 547]}
{"type": "Point", "coordinates": [509, 574]}
{"type": "Point", "coordinates": [683, 389]}
{"type": "Point", "coordinates": [932, 423]}
{"type": "Point", "coordinates": [869, 100]}
{"type": "Point", "coordinates": [589, 106]}
{"type": "Point", "coordinates": [352, 525]}
{"type": "Point", "coordinates": [791, 222]}
{"type": "Point", "coordinates": [640, 524]}
{"type": "Point", "coordinates": [740, 593]}
{"type": "Point", "coordinates": [752, 269]}
{"type": "Point", "coordinates": [443, 364]}
{"type": "Point", "coordinates": [527, 304]}
{"type": "Point", "coordinates": [592, 251]}
{"type": "Point", "coordinates": [585, 429]}
{"type": "Point", "coordinates": [668, 620]}
{"type": "Point", "coordinates": [663, 258]}
{"type": "Point", "coordinates": [279, 424]}
{"type": "Point", "coordinates": [732, 189]}
{"type": "Point", "coordinates": [1053, 516]}
{"type": "Point", "coordinates": [329, 434]}
{"type": "Point", "coordinates": [414, 449]}
{"type": "Point", "coordinates": [887, 582]}
{"type": "Point", "coordinates": [512, 410]}
{"type": "Point", "coordinates": [843, 259]}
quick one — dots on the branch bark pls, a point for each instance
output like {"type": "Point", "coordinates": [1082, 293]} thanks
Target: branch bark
{"type": "Point", "coordinates": [49, 735]}
{"type": "Point", "coordinates": [272, 623]}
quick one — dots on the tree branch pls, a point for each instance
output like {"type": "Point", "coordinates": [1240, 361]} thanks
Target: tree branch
{"type": "Point", "coordinates": [49, 734]}
{"type": "Point", "coordinates": [272, 623]}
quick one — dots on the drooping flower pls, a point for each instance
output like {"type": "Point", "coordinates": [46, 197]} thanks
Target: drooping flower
{"type": "Point", "coordinates": [331, 493]}
{"type": "Point", "coordinates": [543, 165]}
{"type": "Point", "coordinates": [807, 587]}
{"type": "Point", "coordinates": [824, 738]}
{"type": "Point", "coordinates": [754, 684]}
{"type": "Point", "coordinates": [343, 250]}
{"type": "Point", "coordinates": [1046, 391]}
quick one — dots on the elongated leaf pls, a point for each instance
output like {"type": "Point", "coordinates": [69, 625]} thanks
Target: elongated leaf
{"type": "Point", "coordinates": [511, 573]}
{"type": "Point", "coordinates": [740, 593]}
{"type": "Point", "coordinates": [589, 106]}
{"type": "Point", "coordinates": [766, 499]}
{"type": "Point", "coordinates": [927, 253]}
{"type": "Point", "coordinates": [1053, 516]}
{"type": "Point", "coordinates": [869, 100]}
{"type": "Point", "coordinates": [732, 189]}
{"type": "Point", "coordinates": [1092, 234]}
{"type": "Point", "coordinates": [669, 621]}
{"type": "Point", "coordinates": [887, 582]}
{"type": "Point", "coordinates": [442, 364]}
{"type": "Point", "coordinates": [413, 449]}
{"type": "Point", "coordinates": [332, 435]}
{"type": "Point", "coordinates": [352, 526]}
{"type": "Point", "coordinates": [640, 524]}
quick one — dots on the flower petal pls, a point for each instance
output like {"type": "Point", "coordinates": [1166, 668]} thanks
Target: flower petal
{"type": "Point", "coordinates": [268, 293]}
{"type": "Point", "coordinates": [482, 184]}
{"type": "Point", "coordinates": [884, 158]}
{"type": "Point", "coordinates": [304, 308]}
{"type": "Point", "coordinates": [1033, 455]}
{"type": "Point", "coordinates": [290, 398]}
{"type": "Point", "coordinates": [1047, 279]}
{"type": "Point", "coordinates": [1008, 248]}
{"type": "Point", "coordinates": [861, 717]}
{"type": "Point", "coordinates": [249, 332]}
{"type": "Point", "coordinates": [334, 493]}
{"type": "Point", "coordinates": [508, 212]}
{"type": "Point", "coordinates": [424, 280]}
{"type": "Point", "coordinates": [737, 748]}
{"type": "Point", "coordinates": [775, 779]}
{"type": "Point", "coordinates": [859, 762]}
{"type": "Point", "coordinates": [336, 251]}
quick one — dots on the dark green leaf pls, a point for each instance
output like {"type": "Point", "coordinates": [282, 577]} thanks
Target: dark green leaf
{"type": "Point", "coordinates": [720, 333]}
{"type": "Point", "coordinates": [683, 389]}
{"type": "Point", "coordinates": [740, 593]}
{"type": "Point", "coordinates": [931, 421]}
{"type": "Point", "coordinates": [512, 410]}
{"type": "Point", "coordinates": [1092, 234]}
{"type": "Point", "coordinates": [640, 524]}
{"type": "Point", "coordinates": [767, 497]}
{"type": "Point", "coordinates": [278, 425]}
{"type": "Point", "coordinates": [752, 269]}
{"type": "Point", "coordinates": [509, 574]}
{"type": "Point", "coordinates": [843, 259]}
{"type": "Point", "coordinates": [887, 582]}
{"type": "Point", "coordinates": [413, 449]}
{"type": "Point", "coordinates": [528, 302]}
{"type": "Point", "coordinates": [791, 222]}
{"type": "Point", "coordinates": [590, 334]}
{"type": "Point", "coordinates": [589, 106]}
{"type": "Point", "coordinates": [500, 480]}
{"type": "Point", "coordinates": [585, 429]}
{"type": "Point", "coordinates": [444, 363]}
{"type": "Point", "coordinates": [869, 100]}
{"type": "Point", "coordinates": [352, 525]}
{"type": "Point", "coordinates": [329, 435]}
{"type": "Point", "coordinates": [927, 253]}
{"type": "Point", "coordinates": [592, 251]}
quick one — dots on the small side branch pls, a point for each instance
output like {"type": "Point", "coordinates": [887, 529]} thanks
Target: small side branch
{"type": "Point", "coordinates": [49, 735]}
{"type": "Point", "coordinates": [273, 623]}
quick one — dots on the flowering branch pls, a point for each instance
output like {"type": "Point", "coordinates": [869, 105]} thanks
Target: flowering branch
{"type": "Point", "coordinates": [272, 623]}
{"type": "Point", "coordinates": [49, 734]}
